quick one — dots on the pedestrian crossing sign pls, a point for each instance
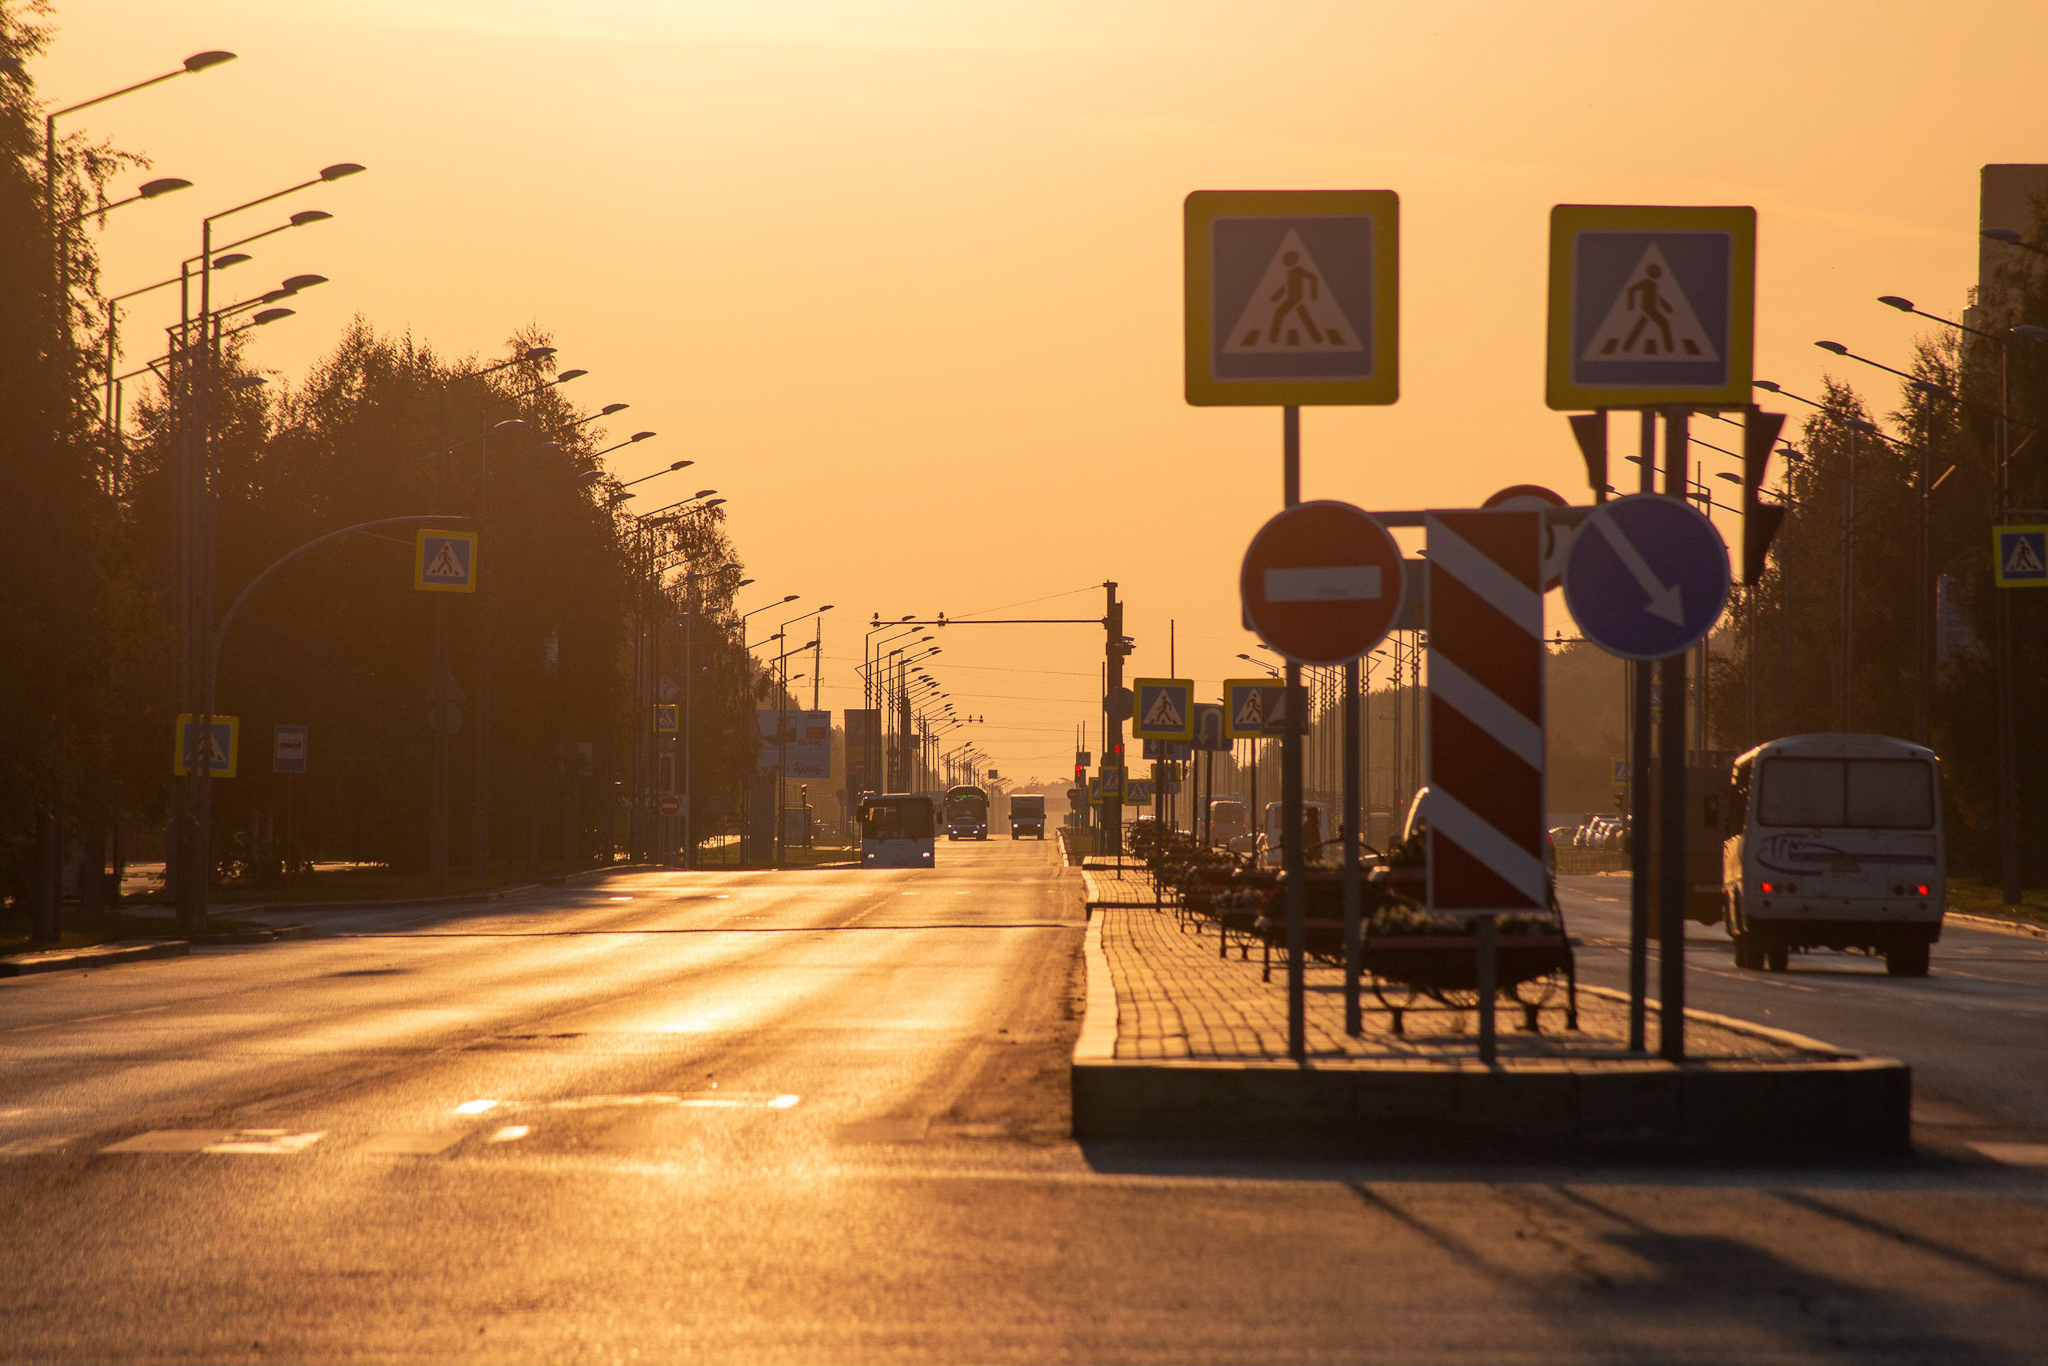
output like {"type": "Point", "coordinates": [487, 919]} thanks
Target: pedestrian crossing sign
{"type": "Point", "coordinates": [1254, 708]}
{"type": "Point", "coordinates": [1651, 305]}
{"type": "Point", "coordinates": [1111, 780]}
{"type": "Point", "coordinates": [1292, 296]}
{"type": "Point", "coordinates": [444, 561]}
{"type": "Point", "coordinates": [665, 718]}
{"type": "Point", "coordinates": [2020, 556]}
{"type": "Point", "coordinates": [1163, 709]}
{"type": "Point", "coordinates": [215, 748]}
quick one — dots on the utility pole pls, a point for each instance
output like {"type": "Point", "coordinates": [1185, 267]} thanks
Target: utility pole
{"type": "Point", "coordinates": [1114, 650]}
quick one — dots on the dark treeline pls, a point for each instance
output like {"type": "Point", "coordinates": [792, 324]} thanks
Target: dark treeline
{"type": "Point", "coordinates": [1838, 632]}
{"type": "Point", "coordinates": [339, 641]}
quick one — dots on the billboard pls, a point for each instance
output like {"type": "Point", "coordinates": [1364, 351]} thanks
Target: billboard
{"type": "Point", "coordinates": [797, 743]}
{"type": "Point", "coordinates": [863, 749]}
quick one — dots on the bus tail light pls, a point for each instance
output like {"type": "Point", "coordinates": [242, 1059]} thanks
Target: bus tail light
{"type": "Point", "coordinates": [1764, 887]}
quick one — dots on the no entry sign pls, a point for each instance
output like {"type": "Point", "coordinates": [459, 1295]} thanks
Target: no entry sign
{"type": "Point", "coordinates": [1321, 582]}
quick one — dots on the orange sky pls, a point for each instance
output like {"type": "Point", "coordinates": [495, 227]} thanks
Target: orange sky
{"type": "Point", "coordinates": [904, 278]}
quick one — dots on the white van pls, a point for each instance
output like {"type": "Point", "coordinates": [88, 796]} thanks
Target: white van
{"type": "Point", "coordinates": [1316, 832]}
{"type": "Point", "coordinates": [1834, 842]}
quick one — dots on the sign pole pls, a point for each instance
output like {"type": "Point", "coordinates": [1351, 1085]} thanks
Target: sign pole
{"type": "Point", "coordinates": [1671, 797]}
{"type": "Point", "coordinates": [1354, 1023]}
{"type": "Point", "coordinates": [1292, 856]}
{"type": "Point", "coordinates": [1640, 805]}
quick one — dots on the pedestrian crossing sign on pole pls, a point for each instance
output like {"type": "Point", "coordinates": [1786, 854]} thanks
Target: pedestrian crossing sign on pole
{"type": "Point", "coordinates": [214, 748]}
{"type": "Point", "coordinates": [2020, 556]}
{"type": "Point", "coordinates": [1163, 709]}
{"type": "Point", "coordinates": [1292, 296]}
{"type": "Point", "coordinates": [665, 718]}
{"type": "Point", "coordinates": [444, 561]}
{"type": "Point", "coordinates": [1254, 708]}
{"type": "Point", "coordinates": [1651, 306]}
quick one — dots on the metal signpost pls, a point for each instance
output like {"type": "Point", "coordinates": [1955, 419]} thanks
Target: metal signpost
{"type": "Point", "coordinates": [1321, 583]}
{"type": "Point", "coordinates": [1652, 308]}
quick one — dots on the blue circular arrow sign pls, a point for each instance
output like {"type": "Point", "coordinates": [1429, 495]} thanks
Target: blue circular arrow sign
{"type": "Point", "coordinates": [1647, 577]}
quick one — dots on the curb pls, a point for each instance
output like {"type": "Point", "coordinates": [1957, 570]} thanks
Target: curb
{"type": "Point", "coordinates": [2009, 925]}
{"type": "Point", "coordinates": [1735, 1026]}
{"type": "Point", "coordinates": [92, 956]}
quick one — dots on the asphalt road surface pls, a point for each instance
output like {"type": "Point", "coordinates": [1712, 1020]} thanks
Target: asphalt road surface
{"type": "Point", "coordinates": [820, 1116]}
{"type": "Point", "coordinates": [1975, 1029]}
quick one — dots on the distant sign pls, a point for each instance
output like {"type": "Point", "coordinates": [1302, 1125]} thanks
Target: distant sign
{"type": "Point", "coordinates": [1648, 576]}
{"type": "Point", "coordinates": [1210, 735]}
{"type": "Point", "coordinates": [1651, 306]}
{"type": "Point", "coordinates": [214, 749]}
{"type": "Point", "coordinates": [1110, 781]}
{"type": "Point", "coordinates": [670, 804]}
{"type": "Point", "coordinates": [1170, 750]}
{"type": "Point", "coordinates": [1138, 792]}
{"type": "Point", "coordinates": [667, 718]}
{"type": "Point", "coordinates": [1292, 296]}
{"type": "Point", "coordinates": [1254, 708]}
{"type": "Point", "coordinates": [2020, 556]}
{"type": "Point", "coordinates": [1164, 709]}
{"type": "Point", "coordinates": [288, 749]}
{"type": "Point", "coordinates": [444, 561]}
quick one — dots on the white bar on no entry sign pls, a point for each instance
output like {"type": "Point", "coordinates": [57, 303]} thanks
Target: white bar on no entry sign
{"type": "Point", "coordinates": [1324, 583]}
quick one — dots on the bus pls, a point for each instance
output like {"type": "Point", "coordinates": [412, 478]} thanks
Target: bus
{"type": "Point", "coordinates": [1833, 842]}
{"type": "Point", "coordinates": [897, 831]}
{"type": "Point", "coordinates": [966, 813]}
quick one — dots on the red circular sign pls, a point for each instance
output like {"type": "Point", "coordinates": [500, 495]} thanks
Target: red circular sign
{"type": "Point", "coordinates": [1557, 538]}
{"type": "Point", "coordinates": [1321, 582]}
{"type": "Point", "coordinates": [671, 805]}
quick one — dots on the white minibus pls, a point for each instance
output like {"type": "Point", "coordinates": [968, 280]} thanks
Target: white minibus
{"type": "Point", "coordinates": [1834, 841]}
{"type": "Point", "coordinates": [897, 830]}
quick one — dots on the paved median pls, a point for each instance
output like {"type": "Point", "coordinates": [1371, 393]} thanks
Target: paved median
{"type": "Point", "coordinates": [1184, 1041]}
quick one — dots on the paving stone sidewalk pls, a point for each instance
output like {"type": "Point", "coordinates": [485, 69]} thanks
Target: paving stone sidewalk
{"type": "Point", "coordinates": [1177, 999]}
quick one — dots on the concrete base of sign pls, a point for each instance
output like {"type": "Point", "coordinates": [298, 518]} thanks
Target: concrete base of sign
{"type": "Point", "coordinates": [1853, 1108]}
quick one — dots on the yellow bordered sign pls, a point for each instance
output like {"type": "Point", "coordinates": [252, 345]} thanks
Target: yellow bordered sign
{"type": "Point", "coordinates": [1163, 708]}
{"type": "Point", "coordinates": [444, 561]}
{"type": "Point", "coordinates": [1292, 296]}
{"type": "Point", "coordinates": [2019, 556]}
{"type": "Point", "coordinates": [665, 718]}
{"type": "Point", "coordinates": [223, 745]}
{"type": "Point", "coordinates": [1254, 708]}
{"type": "Point", "coordinates": [1651, 305]}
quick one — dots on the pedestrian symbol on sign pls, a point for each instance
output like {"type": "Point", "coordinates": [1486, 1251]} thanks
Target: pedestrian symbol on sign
{"type": "Point", "coordinates": [2021, 556]}
{"type": "Point", "coordinates": [1651, 318]}
{"type": "Point", "coordinates": [1290, 310]}
{"type": "Point", "coordinates": [444, 561]}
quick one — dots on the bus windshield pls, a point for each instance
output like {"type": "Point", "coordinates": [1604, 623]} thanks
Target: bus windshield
{"type": "Point", "coordinates": [906, 818]}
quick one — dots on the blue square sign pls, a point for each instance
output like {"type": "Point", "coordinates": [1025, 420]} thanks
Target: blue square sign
{"type": "Point", "coordinates": [2020, 556]}
{"type": "Point", "coordinates": [1651, 306]}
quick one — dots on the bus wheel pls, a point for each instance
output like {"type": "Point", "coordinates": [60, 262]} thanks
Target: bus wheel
{"type": "Point", "coordinates": [1749, 955]}
{"type": "Point", "coordinates": [1777, 957]}
{"type": "Point", "coordinates": [1907, 960]}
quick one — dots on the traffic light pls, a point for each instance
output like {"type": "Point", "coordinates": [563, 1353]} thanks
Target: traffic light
{"type": "Point", "coordinates": [1760, 520]}
{"type": "Point", "coordinates": [1590, 430]}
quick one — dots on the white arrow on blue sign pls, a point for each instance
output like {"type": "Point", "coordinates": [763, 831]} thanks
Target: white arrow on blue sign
{"type": "Point", "coordinates": [1647, 578]}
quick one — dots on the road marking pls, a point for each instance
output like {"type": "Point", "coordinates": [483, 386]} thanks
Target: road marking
{"type": "Point", "coordinates": [509, 1132]}
{"type": "Point", "coordinates": [701, 1100]}
{"type": "Point", "coordinates": [46, 1143]}
{"type": "Point", "coordinates": [416, 1144]}
{"type": "Point", "coordinates": [621, 898]}
{"type": "Point", "coordinates": [274, 1141]}
{"type": "Point", "coordinates": [2015, 1154]}
{"type": "Point", "coordinates": [476, 1107]}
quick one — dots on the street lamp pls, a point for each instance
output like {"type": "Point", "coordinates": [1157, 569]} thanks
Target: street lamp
{"type": "Point", "coordinates": [151, 189]}
{"type": "Point", "coordinates": [1261, 664]}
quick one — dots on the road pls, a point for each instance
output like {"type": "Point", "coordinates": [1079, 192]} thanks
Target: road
{"type": "Point", "coordinates": [820, 1115]}
{"type": "Point", "coordinates": [1975, 1029]}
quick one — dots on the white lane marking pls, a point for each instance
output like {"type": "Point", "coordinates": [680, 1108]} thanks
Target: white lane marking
{"type": "Point", "coordinates": [508, 1133]}
{"type": "Point", "coordinates": [621, 898]}
{"type": "Point", "coordinates": [276, 1141]}
{"type": "Point", "coordinates": [2015, 1154]}
{"type": "Point", "coordinates": [476, 1107]}
{"type": "Point", "coordinates": [699, 1100]}
{"type": "Point", "coordinates": [46, 1143]}
{"type": "Point", "coordinates": [415, 1144]}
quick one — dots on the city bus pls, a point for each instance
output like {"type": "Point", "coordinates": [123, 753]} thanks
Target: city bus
{"type": "Point", "coordinates": [966, 813]}
{"type": "Point", "coordinates": [897, 830]}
